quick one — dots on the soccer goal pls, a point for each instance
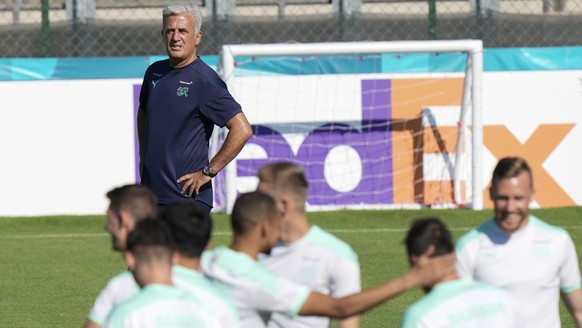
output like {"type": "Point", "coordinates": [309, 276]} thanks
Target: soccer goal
{"type": "Point", "coordinates": [375, 125]}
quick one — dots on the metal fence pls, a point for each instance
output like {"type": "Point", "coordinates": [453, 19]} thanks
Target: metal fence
{"type": "Point", "coordinates": [87, 28]}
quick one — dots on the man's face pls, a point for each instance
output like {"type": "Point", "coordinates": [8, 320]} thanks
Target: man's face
{"type": "Point", "coordinates": [269, 190]}
{"type": "Point", "coordinates": [180, 38]}
{"type": "Point", "coordinates": [511, 198]}
{"type": "Point", "coordinates": [116, 229]}
{"type": "Point", "coordinates": [283, 224]}
{"type": "Point", "coordinates": [273, 226]}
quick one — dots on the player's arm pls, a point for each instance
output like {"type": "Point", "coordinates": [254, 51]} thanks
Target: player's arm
{"type": "Point", "coordinates": [91, 324]}
{"type": "Point", "coordinates": [569, 275]}
{"type": "Point", "coordinates": [239, 132]}
{"type": "Point", "coordinates": [425, 272]}
{"type": "Point", "coordinates": [573, 301]}
{"type": "Point", "coordinates": [346, 281]}
{"type": "Point", "coordinates": [351, 322]}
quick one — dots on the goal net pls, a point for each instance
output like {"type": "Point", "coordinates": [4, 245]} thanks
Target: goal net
{"type": "Point", "coordinates": [375, 125]}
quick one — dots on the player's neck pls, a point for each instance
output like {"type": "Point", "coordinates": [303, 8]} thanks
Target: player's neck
{"type": "Point", "coordinates": [298, 227]}
{"type": "Point", "coordinates": [188, 262]}
{"type": "Point", "coordinates": [449, 277]}
{"type": "Point", "coordinates": [160, 274]}
{"type": "Point", "coordinates": [247, 245]}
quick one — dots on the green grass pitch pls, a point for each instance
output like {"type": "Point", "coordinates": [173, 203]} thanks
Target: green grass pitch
{"type": "Point", "coordinates": [52, 268]}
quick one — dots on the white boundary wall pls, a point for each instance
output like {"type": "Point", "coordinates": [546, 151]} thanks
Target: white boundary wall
{"type": "Point", "coordinates": [64, 144]}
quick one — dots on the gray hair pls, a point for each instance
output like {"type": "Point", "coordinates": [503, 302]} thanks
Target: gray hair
{"type": "Point", "coordinates": [183, 8]}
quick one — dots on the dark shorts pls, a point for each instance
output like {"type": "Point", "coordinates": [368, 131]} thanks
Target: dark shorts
{"type": "Point", "coordinates": [200, 205]}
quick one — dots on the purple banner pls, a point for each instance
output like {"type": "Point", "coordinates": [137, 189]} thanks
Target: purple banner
{"type": "Point", "coordinates": [372, 141]}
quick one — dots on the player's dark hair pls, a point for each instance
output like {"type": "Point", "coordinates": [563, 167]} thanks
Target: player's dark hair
{"type": "Point", "coordinates": [150, 239]}
{"type": "Point", "coordinates": [510, 167]}
{"type": "Point", "coordinates": [190, 226]}
{"type": "Point", "coordinates": [249, 209]}
{"type": "Point", "coordinates": [138, 200]}
{"type": "Point", "coordinates": [425, 232]}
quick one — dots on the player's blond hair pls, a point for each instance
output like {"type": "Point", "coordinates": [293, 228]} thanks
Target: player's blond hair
{"type": "Point", "coordinates": [285, 177]}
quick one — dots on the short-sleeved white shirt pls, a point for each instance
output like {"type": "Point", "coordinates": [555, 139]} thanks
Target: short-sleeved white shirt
{"type": "Point", "coordinates": [118, 289]}
{"type": "Point", "coordinates": [123, 286]}
{"type": "Point", "coordinates": [320, 261]}
{"type": "Point", "coordinates": [159, 305]}
{"type": "Point", "coordinates": [255, 290]}
{"type": "Point", "coordinates": [534, 264]}
{"type": "Point", "coordinates": [195, 283]}
{"type": "Point", "coordinates": [464, 303]}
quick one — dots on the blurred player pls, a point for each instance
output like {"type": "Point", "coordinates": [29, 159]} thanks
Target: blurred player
{"type": "Point", "coordinates": [128, 205]}
{"type": "Point", "coordinates": [191, 229]}
{"type": "Point", "coordinates": [158, 303]}
{"type": "Point", "coordinates": [306, 254]}
{"type": "Point", "coordinates": [257, 292]}
{"type": "Point", "coordinates": [517, 251]}
{"type": "Point", "coordinates": [454, 302]}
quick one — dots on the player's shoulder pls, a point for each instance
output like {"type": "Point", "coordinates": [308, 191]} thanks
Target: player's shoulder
{"type": "Point", "coordinates": [222, 260]}
{"type": "Point", "coordinates": [144, 300]}
{"type": "Point", "coordinates": [122, 277]}
{"type": "Point", "coordinates": [486, 286]}
{"type": "Point", "coordinates": [473, 235]}
{"type": "Point", "coordinates": [545, 227]}
{"type": "Point", "coordinates": [121, 282]}
{"type": "Point", "coordinates": [193, 281]}
{"type": "Point", "coordinates": [417, 311]}
{"type": "Point", "coordinates": [331, 243]}
{"type": "Point", "coordinates": [158, 293]}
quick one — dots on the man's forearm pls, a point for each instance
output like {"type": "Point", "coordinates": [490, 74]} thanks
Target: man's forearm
{"type": "Point", "coordinates": [351, 322]}
{"type": "Point", "coordinates": [573, 302]}
{"type": "Point", "coordinates": [324, 305]}
{"type": "Point", "coordinates": [238, 134]}
{"type": "Point", "coordinates": [369, 298]}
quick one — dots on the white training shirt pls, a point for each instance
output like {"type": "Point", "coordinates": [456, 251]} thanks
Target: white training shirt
{"type": "Point", "coordinates": [157, 306]}
{"type": "Point", "coordinates": [118, 289]}
{"type": "Point", "coordinates": [320, 261]}
{"type": "Point", "coordinates": [123, 286]}
{"type": "Point", "coordinates": [195, 283]}
{"type": "Point", "coordinates": [534, 264]}
{"type": "Point", "coordinates": [464, 303]}
{"type": "Point", "coordinates": [255, 290]}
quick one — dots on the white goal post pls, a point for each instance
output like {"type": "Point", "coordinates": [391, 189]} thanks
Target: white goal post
{"type": "Point", "coordinates": [470, 105]}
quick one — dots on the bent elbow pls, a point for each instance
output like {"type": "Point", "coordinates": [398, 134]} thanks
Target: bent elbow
{"type": "Point", "coordinates": [343, 310]}
{"type": "Point", "coordinates": [247, 132]}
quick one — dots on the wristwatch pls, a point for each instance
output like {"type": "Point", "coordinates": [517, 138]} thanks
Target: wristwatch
{"type": "Point", "coordinates": [207, 171]}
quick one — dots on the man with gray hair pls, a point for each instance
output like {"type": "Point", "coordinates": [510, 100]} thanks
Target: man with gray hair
{"type": "Point", "coordinates": [181, 100]}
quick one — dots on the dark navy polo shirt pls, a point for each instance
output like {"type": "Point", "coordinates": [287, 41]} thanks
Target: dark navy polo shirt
{"type": "Point", "coordinates": [182, 106]}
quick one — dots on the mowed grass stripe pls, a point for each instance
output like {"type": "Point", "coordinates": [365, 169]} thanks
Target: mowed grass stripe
{"type": "Point", "coordinates": [227, 233]}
